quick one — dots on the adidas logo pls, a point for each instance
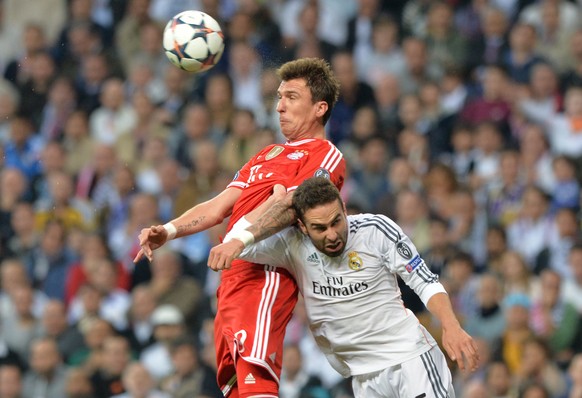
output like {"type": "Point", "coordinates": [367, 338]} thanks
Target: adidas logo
{"type": "Point", "coordinates": [272, 356]}
{"type": "Point", "coordinates": [313, 258]}
{"type": "Point", "coordinates": [250, 379]}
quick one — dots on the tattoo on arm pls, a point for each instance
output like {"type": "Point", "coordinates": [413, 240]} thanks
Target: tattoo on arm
{"type": "Point", "coordinates": [186, 229]}
{"type": "Point", "coordinates": [280, 216]}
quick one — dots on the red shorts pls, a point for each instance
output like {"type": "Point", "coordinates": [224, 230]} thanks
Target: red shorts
{"type": "Point", "coordinates": [255, 303]}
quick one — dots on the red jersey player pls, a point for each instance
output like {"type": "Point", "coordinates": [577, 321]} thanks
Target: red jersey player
{"type": "Point", "coordinates": [255, 302]}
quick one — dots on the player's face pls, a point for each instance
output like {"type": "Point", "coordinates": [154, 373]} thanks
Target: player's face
{"type": "Point", "coordinates": [326, 226]}
{"type": "Point", "coordinates": [299, 117]}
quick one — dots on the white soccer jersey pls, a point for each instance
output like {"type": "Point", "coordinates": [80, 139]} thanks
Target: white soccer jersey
{"type": "Point", "coordinates": [353, 301]}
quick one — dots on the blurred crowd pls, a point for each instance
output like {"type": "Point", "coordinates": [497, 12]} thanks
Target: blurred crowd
{"type": "Point", "coordinates": [459, 119]}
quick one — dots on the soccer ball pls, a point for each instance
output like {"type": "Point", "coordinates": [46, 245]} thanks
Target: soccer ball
{"type": "Point", "coordinates": [193, 41]}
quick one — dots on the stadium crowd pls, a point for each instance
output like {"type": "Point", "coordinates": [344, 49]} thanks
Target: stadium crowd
{"type": "Point", "coordinates": [459, 119]}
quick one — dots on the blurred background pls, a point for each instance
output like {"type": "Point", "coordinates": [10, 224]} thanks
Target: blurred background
{"type": "Point", "coordinates": [459, 119]}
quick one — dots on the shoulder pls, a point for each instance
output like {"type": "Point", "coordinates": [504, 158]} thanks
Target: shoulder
{"type": "Point", "coordinates": [375, 223]}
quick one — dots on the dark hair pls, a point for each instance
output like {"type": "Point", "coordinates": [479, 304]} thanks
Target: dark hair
{"type": "Point", "coordinates": [313, 192]}
{"type": "Point", "coordinates": [319, 78]}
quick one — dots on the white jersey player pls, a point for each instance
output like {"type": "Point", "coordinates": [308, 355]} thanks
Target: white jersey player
{"type": "Point", "coordinates": [346, 267]}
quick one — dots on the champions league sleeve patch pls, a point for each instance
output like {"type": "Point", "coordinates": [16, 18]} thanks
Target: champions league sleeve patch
{"type": "Point", "coordinates": [236, 175]}
{"type": "Point", "coordinates": [411, 266]}
{"type": "Point", "coordinates": [322, 173]}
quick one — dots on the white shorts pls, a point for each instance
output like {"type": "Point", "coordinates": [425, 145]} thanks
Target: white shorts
{"type": "Point", "coordinates": [426, 376]}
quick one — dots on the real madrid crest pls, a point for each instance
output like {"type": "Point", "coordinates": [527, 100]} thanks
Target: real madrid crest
{"type": "Point", "coordinates": [355, 261]}
{"type": "Point", "coordinates": [275, 151]}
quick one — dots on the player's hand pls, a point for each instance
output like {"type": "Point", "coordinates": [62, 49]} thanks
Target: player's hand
{"type": "Point", "coordinates": [221, 256]}
{"type": "Point", "coordinates": [149, 240]}
{"type": "Point", "coordinates": [461, 348]}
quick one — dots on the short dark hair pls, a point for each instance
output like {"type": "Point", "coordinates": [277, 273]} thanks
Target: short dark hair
{"type": "Point", "coordinates": [319, 78]}
{"type": "Point", "coordinates": [313, 192]}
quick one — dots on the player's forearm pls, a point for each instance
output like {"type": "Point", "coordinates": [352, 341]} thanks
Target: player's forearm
{"type": "Point", "coordinates": [199, 218]}
{"type": "Point", "coordinates": [278, 217]}
{"type": "Point", "coordinates": [440, 306]}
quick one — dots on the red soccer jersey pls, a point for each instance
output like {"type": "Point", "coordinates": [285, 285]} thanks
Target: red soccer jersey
{"type": "Point", "coordinates": [288, 164]}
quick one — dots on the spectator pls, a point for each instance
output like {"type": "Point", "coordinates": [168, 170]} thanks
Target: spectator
{"type": "Point", "coordinates": [169, 325]}
{"type": "Point", "coordinates": [445, 48]}
{"type": "Point", "coordinates": [572, 287]}
{"type": "Point", "coordinates": [143, 211]}
{"type": "Point", "coordinates": [521, 56]}
{"type": "Point", "coordinates": [536, 366]}
{"type": "Point", "coordinates": [534, 228]}
{"type": "Point", "coordinates": [94, 250]}
{"type": "Point", "coordinates": [34, 40]}
{"type": "Point", "coordinates": [353, 95]}
{"type": "Point", "coordinates": [566, 192]}
{"type": "Point", "coordinates": [191, 377]}
{"type": "Point", "coordinates": [115, 117]}
{"type": "Point", "coordinates": [385, 55]}
{"type": "Point", "coordinates": [114, 301]}
{"type": "Point", "coordinates": [9, 104]}
{"type": "Point", "coordinates": [51, 261]}
{"type": "Point", "coordinates": [536, 157]}
{"type": "Point", "coordinates": [491, 105]}
{"type": "Point", "coordinates": [542, 101]}
{"type": "Point", "coordinates": [498, 379]}
{"type": "Point", "coordinates": [22, 321]}
{"type": "Point", "coordinates": [555, 26]}
{"type": "Point", "coordinates": [46, 376]}
{"type": "Point", "coordinates": [170, 287]}
{"type": "Point", "coordinates": [505, 191]}
{"type": "Point", "coordinates": [77, 142]}
{"type": "Point", "coordinates": [241, 142]}
{"type": "Point", "coordinates": [10, 381]}
{"type": "Point", "coordinates": [488, 322]}
{"type": "Point", "coordinates": [568, 234]}
{"type": "Point", "coordinates": [63, 206]}
{"type": "Point", "coordinates": [61, 102]}
{"type": "Point", "coordinates": [219, 98]}
{"type": "Point", "coordinates": [127, 33]}
{"type": "Point", "coordinates": [139, 383]}
{"type": "Point", "coordinates": [25, 236]}
{"type": "Point", "coordinates": [107, 378]}
{"type": "Point", "coordinates": [95, 179]}
{"type": "Point", "coordinates": [94, 71]}
{"type": "Point", "coordinates": [78, 384]}
{"type": "Point", "coordinates": [34, 91]}
{"type": "Point", "coordinates": [462, 285]}
{"type": "Point", "coordinates": [54, 324]}
{"type": "Point", "coordinates": [295, 382]}
{"type": "Point", "coordinates": [553, 319]}
{"type": "Point", "coordinates": [140, 329]}
{"type": "Point", "coordinates": [22, 151]}
{"type": "Point", "coordinates": [95, 331]}
{"type": "Point", "coordinates": [575, 376]}
{"type": "Point", "coordinates": [489, 46]}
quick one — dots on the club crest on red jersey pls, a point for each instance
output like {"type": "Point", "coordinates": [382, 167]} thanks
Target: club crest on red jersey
{"type": "Point", "coordinates": [275, 151]}
{"type": "Point", "coordinates": [296, 155]}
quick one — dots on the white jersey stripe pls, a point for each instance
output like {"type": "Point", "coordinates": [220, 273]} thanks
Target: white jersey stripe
{"type": "Point", "coordinates": [336, 162]}
{"type": "Point", "coordinates": [266, 296]}
{"type": "Point", "coordinates": [331, 154]}
{"type": "Point", "coordinates": [269, 313]}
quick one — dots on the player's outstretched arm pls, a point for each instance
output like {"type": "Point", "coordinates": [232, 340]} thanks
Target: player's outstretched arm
{"type": "Point", "coordinates": [270, 217]}
{"type": "Point", "coordinates": [457, 343]}
{"type": "Point", "coordinates": [199, 218]}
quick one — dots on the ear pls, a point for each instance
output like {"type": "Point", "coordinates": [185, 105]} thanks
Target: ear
{"type": "Point", "coordinates": [302, 226]}
{"type": "Point", "coordinates": [321, 108]}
